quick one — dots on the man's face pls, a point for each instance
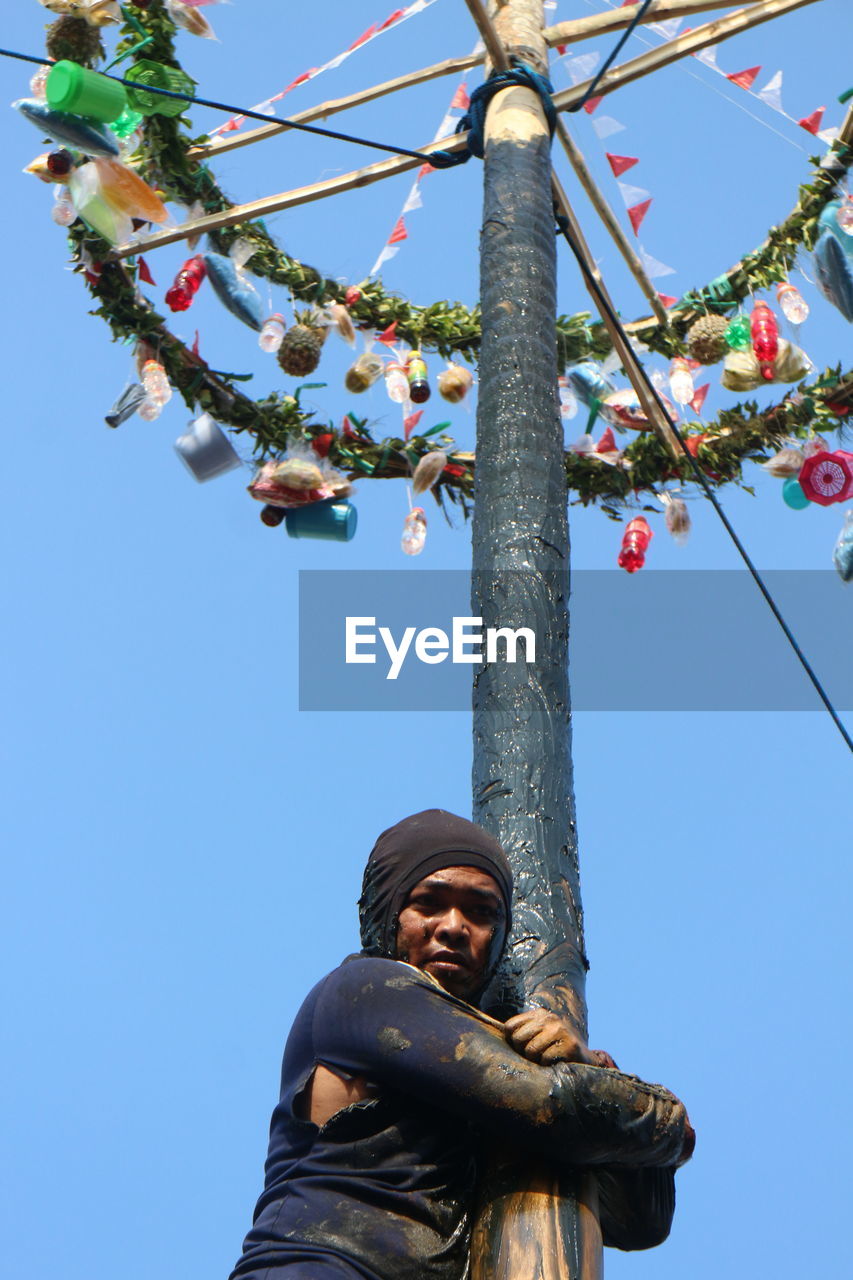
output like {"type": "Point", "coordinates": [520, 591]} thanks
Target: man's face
{"type": "Point", "coordinates": [452, 926]}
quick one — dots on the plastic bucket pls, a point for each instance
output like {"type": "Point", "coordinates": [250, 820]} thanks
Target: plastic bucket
{"type": "Point", "coordinates": [205, 450]}
{"type": "Point", "coordinates": [330, 521]}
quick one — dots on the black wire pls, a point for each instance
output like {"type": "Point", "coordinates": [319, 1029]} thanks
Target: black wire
{"type": "Point", "coordinates": [604, 303]}
{"type": "Point", "coordinates": [437, 160]}
{"type": "Point", "coordinates": [590, 93]}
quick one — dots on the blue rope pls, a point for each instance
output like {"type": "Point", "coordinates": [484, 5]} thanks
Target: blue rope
{"type": "Point", "coordinates": [590, 93]}
{"type": "Point", "coordinates": [474, 121]}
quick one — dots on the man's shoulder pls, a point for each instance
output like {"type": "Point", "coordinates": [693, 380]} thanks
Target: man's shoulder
{"type": "Point", "coordinates": [362, 973]}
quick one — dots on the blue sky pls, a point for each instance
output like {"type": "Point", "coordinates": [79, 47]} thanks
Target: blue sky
{"type": "Point", "coordinates": [185, 846]}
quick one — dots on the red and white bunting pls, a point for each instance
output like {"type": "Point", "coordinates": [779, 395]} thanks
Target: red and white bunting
{"type": "Point", "coordinates": [620, 164]}
{"type": "Point", "coordinates": [372, 33]}
{"type": "Point", "coordinates": [459, 103]}
{"type": "Point", "coordinates": [744, 79]}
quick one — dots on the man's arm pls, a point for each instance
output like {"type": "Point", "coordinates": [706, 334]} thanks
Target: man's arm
{"type": "Point", "coordinates": [387, 1021]}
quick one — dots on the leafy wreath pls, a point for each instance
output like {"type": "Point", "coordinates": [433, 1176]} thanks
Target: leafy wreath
{"type": "Point", "coordinates": [738, 434]}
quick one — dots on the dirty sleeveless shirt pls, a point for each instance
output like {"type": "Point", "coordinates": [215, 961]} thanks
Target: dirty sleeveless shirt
{"type": "Point", "coordinates": [384, 1190]}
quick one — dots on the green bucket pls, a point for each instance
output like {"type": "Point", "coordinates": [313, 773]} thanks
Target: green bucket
{"type": "Point", "coordinates": [154, 75]}
{"type": "Point", "coordinates": [82, 92]}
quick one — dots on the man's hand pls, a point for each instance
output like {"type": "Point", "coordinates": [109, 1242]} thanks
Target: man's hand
{"type": "Point", "coordinates": [544, 1037]}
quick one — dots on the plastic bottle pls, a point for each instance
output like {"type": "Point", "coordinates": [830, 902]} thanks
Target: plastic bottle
{"type": "Point", "coordinates": [187, 284]}
{"type": "Point", "coordinates": [396, 382]}
{"type": "Point", "coordinates": [156, 384]}
{"type": "Point", "coordinates": [272, 334]}
{"type": "Point", "coordinates": [842, 556]}
{"type": "Point", "coordinates": [416, 372]}
{"type": "Point", "coordinates": [635, 543]}
{"type": "Point", "coordinates": [765, 338]}
{"type": "Point", "coordinates": [794, 306]}
{"type": "Point", "coordinates": [681, 381]}
{"type": "Point", "coordinates": [568, 399]}
{"type": "Point", "coordinates": [414, 532]}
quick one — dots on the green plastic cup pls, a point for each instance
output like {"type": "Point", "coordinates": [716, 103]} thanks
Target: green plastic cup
{"type": "Point", "coordinates": [145, 75]}
{"type": "Point", "coordinates": [82, 92]}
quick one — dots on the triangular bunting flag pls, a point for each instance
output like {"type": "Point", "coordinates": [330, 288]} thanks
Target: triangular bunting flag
{"type": "Point", "coordinates": [607, 443]}
{"type": "Point", "coordinates": [414, 200]}
{"type": "Point", "coordinates": [744, 78]}
{"type": "Point", "coordinates": [667, 299]}
{"type": "Point", "coordinates": [424, 170]}
{"type": "Point", "coordinates": [144, 273]}
{"type": "Point", "coordinates": [399, 233]}
{"type": "Point", "coordinates": [388, 336]}
{"type": "Point", "coordinates": [636, 214]}
{"type": "Point", "coordinates": [581, 67]}
{"type": "Point", "coordinates": [590, 105]}
{"type": "Point", "coordinates": [621, 164]}
{"type": "Point", "coordinates": [387, 253]}
{"type": "Point", "coordinates": [829, 135]}
{"type": "Point", "coordinates": [632, 195]}
{"type": "Point", "coordinates": [410, 422]}
{"type": "Point", "coordinates": [700, 397]}
{"type": "Point", "coordinates": [654, 269]}
{"type": "Point", "coordinates": [604, 126]}
{"type": "Point", "coordinates": [812, 123]}
{"type": "Point", "coordinates": [708, 56]}
{"type": "Point", "coordinates": [772, 92]}
{"type": "Point", "coordinates": [666, 29]}
{"type": "Point", "coordinates": [460, 101]}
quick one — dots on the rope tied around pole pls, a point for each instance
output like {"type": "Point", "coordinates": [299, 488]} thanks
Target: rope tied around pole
{"type": "Point", "coordinates": [474, 120]}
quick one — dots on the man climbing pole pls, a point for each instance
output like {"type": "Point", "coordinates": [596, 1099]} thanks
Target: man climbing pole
{"type": "Point", "coordinates": [393, 1081]}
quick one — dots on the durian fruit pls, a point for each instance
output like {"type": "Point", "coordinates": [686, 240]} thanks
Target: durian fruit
{"type": "Point", "coordinates": [299, 353]}
{"type": "Point", "coordinates": [706, 339]}
{"type": "Point", "coordinates": [74, 39]}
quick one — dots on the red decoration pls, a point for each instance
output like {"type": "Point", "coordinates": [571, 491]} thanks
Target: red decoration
{"type": "Point", "coordinates": [635, 543]}
{"type": "Point", "coordinates": [399, 233]}
{"type": "Point", "coordinates": [389, 335]}
{"type": "Point", "coordinates": [811, 123]}
{"type": "Point", "coordinates": [827, 477]}
{"type": "Point", "coordinates": [765, 338]}
{"type": "Point", "coordinates": [187, 284]}
{"type": "Point", "coordinates": [636, 214]}
{"type": "Point", "coordinates": [460, 100]}
{"type": "Point", "coordinates": [744, 79]}
{"type": "Point", "coordinates": [700, 397]}
{"type": "Point", "coordinates": [667, 299]}
{"type": "Point", "coordinates": [352, 296]}
{"type": "Point", "coordinates": [590, 105]}
{"type": "Point", "coordinates": [621, 164]}
{"type": "Point", "coordinates": [144, 272]}
{"type": "Point", "coordinates": [411, 422]}
{"type": "Point", "coordinates": [607, 443]}
{"type": "Point", "coordinates": [322, 444]}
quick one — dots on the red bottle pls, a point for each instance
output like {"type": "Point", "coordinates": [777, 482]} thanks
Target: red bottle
{"type": "Point", "coordinates": [187, 284]}
{"type": "Point", "coordinates": [635, 543]}
{"type": "Point", "coordinates": [765, 338]}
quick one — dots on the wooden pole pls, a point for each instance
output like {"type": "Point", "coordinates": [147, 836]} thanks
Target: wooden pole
{"type": "Point", "coordinates": [534, 1223]}
{"type": "Point", "coordinates": [572, 32]}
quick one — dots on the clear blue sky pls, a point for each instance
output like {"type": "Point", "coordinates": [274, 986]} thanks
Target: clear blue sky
{"type": "Point", "coordinates": [185, 848]}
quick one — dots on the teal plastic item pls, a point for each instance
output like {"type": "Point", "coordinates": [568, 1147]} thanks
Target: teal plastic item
{"type": "Point", "coordinates": [154, 75]}
{"type": "Point", "coordinates": [834, 268]}
{"type": "Point", "coordinates": [75, 132]}
{"type": "Point", "coordinates": [828, 221]}
{"type": "Point", "coordinates": [330, 521]}
{"type": "Point", "coordinates": [792, 493]}
{"type": "Point", "coordinates": [73, 88]}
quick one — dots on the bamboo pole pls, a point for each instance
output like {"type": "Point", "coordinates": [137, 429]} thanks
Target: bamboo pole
{"type": "Point", "coordinates": [285, 200]}
{"type": "Point", "coordinates": [230, 142]}
{"type": "Point", "coordinates": [608, 217]}
{"type": "Point", "coordinates": [681, 47]}
{"type": "Point", "coordinates": [570, 32]}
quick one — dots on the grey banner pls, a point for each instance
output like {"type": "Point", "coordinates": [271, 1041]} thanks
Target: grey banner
{"type": "Point", "coordinates": [398, 640]}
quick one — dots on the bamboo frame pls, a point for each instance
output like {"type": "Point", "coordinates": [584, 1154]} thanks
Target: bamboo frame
{"type": "Point", "coordinates": [563, 33]}
{"type": "Point", "coordinates": [681, 47]}
{"type": "Point", "coordinates": [691, 42]}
